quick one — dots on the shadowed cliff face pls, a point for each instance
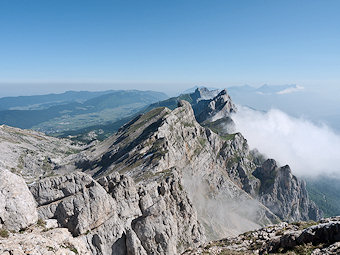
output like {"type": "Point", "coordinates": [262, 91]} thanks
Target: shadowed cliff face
{"type": "Point", "coordinates": [283, 193]}
{"type": "Point", "coordinates": [215, 108]}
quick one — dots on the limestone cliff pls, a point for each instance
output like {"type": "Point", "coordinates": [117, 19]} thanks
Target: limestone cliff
{"type": "Point", "coordinates": [165, 182]}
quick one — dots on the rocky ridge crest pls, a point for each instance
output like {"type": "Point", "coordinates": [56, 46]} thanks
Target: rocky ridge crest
{"type": "Point", "coordinates": [164, 183]}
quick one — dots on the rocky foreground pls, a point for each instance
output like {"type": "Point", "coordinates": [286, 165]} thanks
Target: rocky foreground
{"type": "Point", "coordinates": [74, 214]}
{"type": "Point", "coordinates": [305, 237]}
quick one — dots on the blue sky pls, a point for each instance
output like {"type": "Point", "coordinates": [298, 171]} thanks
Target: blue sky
{"type": "Point", "coordinates": [167, 45]}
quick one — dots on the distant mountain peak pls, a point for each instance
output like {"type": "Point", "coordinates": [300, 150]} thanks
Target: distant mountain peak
{"type": "Point", "coordinates": [203, 88]}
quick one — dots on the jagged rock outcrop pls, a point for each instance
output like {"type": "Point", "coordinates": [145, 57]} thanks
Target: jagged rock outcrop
{"type": "Point", "coordinates": [204, 94]}
{"type": "Point", "coordinates": [310, 237]}
{"type": "Point", "coordinates": [77, 201]}
{"type": "Point", "coordinates": [169, 223]}
{"type": "Point", "coordinates": [18, 212]}
{"type": "Point", "coordinates": [213, 109]}
{"type": "Point", "coordinates": [118, 217]}
{"type": "Point", "coordinates": [153, 145]}
{"type": "Point", "coordinates": [17, 205]}
{"type": "Point", "coordinates": [283, 193]}
{"type": "Point", "coordinates": [326, 232]}
{"type": "Point", "coordinates": [82, 205]}
{"type": "Point", "coordinates": [162, 140]}
{"type": "Point", "coordinates": [164, 183]}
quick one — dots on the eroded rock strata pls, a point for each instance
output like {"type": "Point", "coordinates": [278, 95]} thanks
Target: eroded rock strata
{"type": "Point", "coordinates": [166, 182]}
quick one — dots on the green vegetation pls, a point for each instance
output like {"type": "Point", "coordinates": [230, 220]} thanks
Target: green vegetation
{"type": "Point", "coordinates": [202, 141]}
{"type": "Point", "coordinates": [4, 233]}
{"type": "Point", "coordinates": [46, 165]}
{"type": "Point", "coordinates": [188, 124]}
{"type": "Point", "coordinates": [304, 224]}
{"type": "Point", "coordinates": [41, 223]}
{"type": "Point", "coordinates": [229, 137]}
{"type": "Point", "coordinates": [21, 162]}
{"type": "Point", "coordinates": [266, 184]}
{"type": "Point", "coordinates": [149, 175]}
{"type": "Point", "coordinates": [96, 109]}
{"type": "Point", "coordinates": [72, 248]}
{"type": "Point", "coordinates": [233, 160]}
{"type": "Point", "coordinates": [218, 126]}
{"type": "Point", "coordinates": [304, 249]}
{"type": "Point", "coordinates": [72, 151]}
{"type": "Point", "coordinates": [146, 118]}
{"type": "Point", "coordinates": [186, 97]}
{"type": "Point", "coordinates": [324, 191]}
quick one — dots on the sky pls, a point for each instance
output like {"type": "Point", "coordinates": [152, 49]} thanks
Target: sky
{"type": "Point", "coordinates": [58, 45]}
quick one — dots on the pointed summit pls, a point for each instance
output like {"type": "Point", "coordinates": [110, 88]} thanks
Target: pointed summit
{"type": "Point", "coordinates": [218, 107]}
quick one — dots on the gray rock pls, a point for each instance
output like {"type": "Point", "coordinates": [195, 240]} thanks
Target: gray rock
{"type": "Point", "coordinates": [284, 194]}
{"type": "Point", "coordinates": [169, 223]}
{"type": "Point", "coordinates": [163, 183]}
{"type": "Point", "coordinates": [121, 217]}
{"type": "Point", "coordinates": [281, 238]}
{"type": "Point", "coordinates": [159, 143]}
{"type": "Point", "coordinates": [77, 201]}
{"type": "Point", "coordinates": [212, 109]}
{"type": "Point", "coordinates": [41, 242]}
{"type": "Point", "coordinates": [17, 205]}
{"type": "Point", "coordinates": [51, 223]}
{"type": "Point", "coordinates": [33, 155]}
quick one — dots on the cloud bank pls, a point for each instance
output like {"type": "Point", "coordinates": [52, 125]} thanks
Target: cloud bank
{"type": "Point", "coordinates": [290, 90]}
{"type": "Point", "coordinates": [308, 148]}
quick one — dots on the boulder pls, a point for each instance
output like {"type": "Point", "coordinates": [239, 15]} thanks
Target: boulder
{"type": "Point", "coordinates": [77, 201]}
{"type": "Point", "coordinates": [17, 205]}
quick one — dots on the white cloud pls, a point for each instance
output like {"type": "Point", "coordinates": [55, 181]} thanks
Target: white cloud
{"type": "Point", "coordinates": [309, 149]}
{"type": "Point", "coordinates": [290, 90]}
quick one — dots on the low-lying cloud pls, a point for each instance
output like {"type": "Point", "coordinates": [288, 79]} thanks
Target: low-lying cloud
{"type": "Point", "coordinates": [290, 90]}
{"type": "Point", "coordinates": [222, 213]}
{"type": "Point", "coordinates": [308, 148]}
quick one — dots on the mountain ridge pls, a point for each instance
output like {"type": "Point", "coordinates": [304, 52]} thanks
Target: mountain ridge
{"type": "Point", "coordinates": [164, 183]}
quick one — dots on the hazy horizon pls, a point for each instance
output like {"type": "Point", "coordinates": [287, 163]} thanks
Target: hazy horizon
{"type": "Point", "coordinates": [166, 46]}
{"type": "Point", "coordinates": [171, 89]}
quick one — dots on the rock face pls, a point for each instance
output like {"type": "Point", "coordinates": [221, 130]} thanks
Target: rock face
{"type": "Point", "coordinates": [316, 238]}
{"type": "Point", "coordinates": [17, 205]}
{"type": "Point", "coordinates": [204, 94]}
{"type": "Point", "coordinates": [156, 144]}
{"type": "Point", "coordinates": [18, 212]}
{"type": "Point", "coordinates": [118, 217]}
{"type": "Point", "coordinates": [216, 108]}
{"type": "Point", "coordinates": [216, 171]}
{"type": "Point", "coordinates": [76, 201]}
{"type": "Point", "coordinates": [164, 183]}
{"type": "Point", "coordinates": [284, 194]}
